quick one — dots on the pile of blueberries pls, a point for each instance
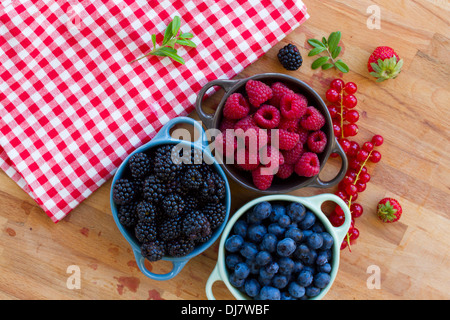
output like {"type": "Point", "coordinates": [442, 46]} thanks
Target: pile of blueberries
{"type": "Point", "coordinates": [279, 251]}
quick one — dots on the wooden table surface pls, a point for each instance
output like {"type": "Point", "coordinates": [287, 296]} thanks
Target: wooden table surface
{"type": "Point", "coordinates": [412, 113]}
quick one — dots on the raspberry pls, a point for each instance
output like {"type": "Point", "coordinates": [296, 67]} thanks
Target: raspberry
{"type": "Point", "coordinates": [292, 156]}
{"type": "Point", "coordinates": [261, 179]}
{"type": "Point", "coordinates": [308, 165]}
{"type": "Point", "coordinates": [250, 133]}
{"type": "Point", "coordinates": [227, 124]}
{"type": "Point", "coordinates": [317, 141]}
{"type": "Point", "coordinates": [291, 125]}
{"type": "Point", "coordinates": [293, 106]}
{"type": "Point", "coordinates": [247, 160]}
{"type": "Point", "coordinates": [287, 140]}
{"type": "Point", "coordinates": [285, 171]}
{"type": "Point", "coordinates": [236, 107]}
{"type": "Point", "coordinates": [312, 119]}
{"type": "Point", "coordinates": [272, 158]}
{"type": "Point", "coordinates": [225, 143]}
{"type": "Point", "coordinates": [279, 89]}
{"type": "Point", "coordinates": [258, 92]}
{"type": "Point", "coordinates": [267, 117]}
{"type": "Point", "coordinates": [303, 134]}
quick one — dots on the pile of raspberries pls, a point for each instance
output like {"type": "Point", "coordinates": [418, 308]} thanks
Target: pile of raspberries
{"type": "Point", "coordinates": [257, 111]}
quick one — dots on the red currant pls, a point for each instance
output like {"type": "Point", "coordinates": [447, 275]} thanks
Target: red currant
{"type": "Point", "coordinates": [375, 157]}
{"type": "Point", "coordinates": [351, 189]}
{"type": "Point", "coordinates": [333, 111]}
{"type": "Point", "coordinates": [350, 101]}
{"type": "Point", "coordinates": [354, 147]}
{"type": "Point", "coordinates": [344, 244]}
{"type": "Point", "coordinates": [348, 180]}
{"type": "Point", "coordinates": [337, 84]}
{"type": "Point", "coordinates": [352, 116]}
{"type": "Point", "coordinates": [334, 155]}
{"type": "Point", "coordinates": [350, 88]}
{"type": "Point", "coordinates": [352, 173]}
{"type": "Point", "coordinates": [377, 140]}
{"type": "Point", "coordinates": [332, 95]}
{"type": "Point", "coordinates": [364, 177]}
{"type": "Point", "coordinates": [337, 130]}
{"type": "Point", "coordinates": [336, 220]}
{"type": "Point", "coordinates": [345, 144]}
{"type": "Point", "coordinates": [356, 210]}
{"type": "Point", "coordinates": [361, 186]}
{"type": "Point", "coordinates": [363, 169]}
{"type": "Point", "coordinates": [367, 146]}
{"type": "Point", "coordinates": [362, 155]}
{"type": "Point", "coordinates": [350, 130]}
{"type": "Point", "coordinates": [354, 164]}
{"type": "Point", "coordinates": [342, 195]}
{"type": "Point", "coordinates": [355, 234]}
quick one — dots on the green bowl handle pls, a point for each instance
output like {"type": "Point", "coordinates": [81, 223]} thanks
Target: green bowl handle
{"type": "Point", "coordinates": [341, 231]}
{"type": "Point", "coordinates": [213, 277]}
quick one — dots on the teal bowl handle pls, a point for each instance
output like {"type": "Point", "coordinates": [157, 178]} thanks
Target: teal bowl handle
{"type": "Point", "coordinates": [177, 266]}
{"type": "Point", "coordinates": [213, 277]}
{"type": "Point", "coordinates": [341, 231]}
{"type": "Point", "coordinates": [164, 132]}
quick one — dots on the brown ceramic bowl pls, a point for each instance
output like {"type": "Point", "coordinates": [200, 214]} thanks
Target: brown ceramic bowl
{"type": "Point", "coordinates": [212, 121]}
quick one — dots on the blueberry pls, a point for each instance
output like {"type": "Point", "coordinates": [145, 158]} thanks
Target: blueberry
{"type": "Point", "coordinates": [252, 287]}
{"type": "Point", "coordinates": [284, 221]}
{"type": "Point", "coordinates": [322, 258]}
{"type": "Point", "coordinates": [327, 240]}
{"type": "Point", "coordinates": [309, 268]}
{"type": "Point", "coordinates": [286, 266]}
{"type": "Point", "coordinates": [242, 270]}
{"type": "Point", "coordinates": [305, 277]}
{"type": "Point", "coordinates": [321, 280]}
{"type": "Point", "coordinates": [296, 290]}
{"type": "Point", "coordinates": [310, 258]}
{"type": "Point", "coordinates": [269, 293]}
{"type": "Point", "coordinates": [280, 281]}
{"type": "Point", "coordinates": [298, 266]}
{"type": "Point", "coordinates": [324, 268]}
{"type": "Point", "coordinates": [269, 243]}
{"type": "Point", "coordinates": [234, 243]}
{"type": "Point", "coordinates": [308, 221]}
{"type": "Point", "coordinates": [302, 251]}
{"type": "Point", "coordinates": [262, 210]}
{"type": "Point", "coordinates": [263, 274]}
{"type": "Point", "coordinates": [240, 228]}
{"type": "Point", "coordinates": [236, 281]}
{"type": "Point", "coordinates": [317, 227]}
{"type": "Point", "coordinates": [276, 229]}
{"type": "Point", "coordinates": [286, 296]}
{"type": "Point", "coordinates": [312, 291]}
{"type": "Point", "coordinates": [286, 247]}
{"type": "Point", "coordinates": [232, 260]}
{"type": "Point", "coordinates": [272, 267]}
{"type": "Point", "coordinates": [315, 241]}
{"type": "Point", "coordinates": [254, 267]}
{"type": "Point", "coordinates": [248, 250]}
{"type": "Point", "coordinates": [277, 211]}
{"type": "Point", "coordinates": [306, 234]}
{"type": "Point", "coordinates": [256, 232]}
{"type": "Point", "coordinates": [296, 211]}
{"type": "Point", "coordinates": [263, 257]}
{"type": "Point", "coordinates": [264, 281]}
{"type": "Point", "coordinates": [294, 233]}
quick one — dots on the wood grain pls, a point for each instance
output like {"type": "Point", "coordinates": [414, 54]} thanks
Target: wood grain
{"type": "Point", "coordinates": [411, 112]}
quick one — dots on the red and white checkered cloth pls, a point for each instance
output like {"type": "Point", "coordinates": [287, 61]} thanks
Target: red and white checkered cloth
{"type": "Point", "coordinates": [72, 107]}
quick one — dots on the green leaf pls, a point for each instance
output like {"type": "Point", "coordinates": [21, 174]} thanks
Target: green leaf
{"type": "Point", "coordinates": [324, 41]}
{"type": "Point", "coordinates": [154, 40]}
{"type": "Point", "coordinates": [327, 66]}
{"type": "Point", "coordinates": [172, 53]}
{"type": "Point", "coordinates": [168, 34]}
{"type": "Point", "coordinates": [341, 66]}
{"type": "Point", "coordinates": [316, 51]}
{"type": "Point", "coordinates": [336, 52]}
{"type": "Point", "coordinates": [171, 42]}
{"type": "Point", "coordinates": [185, 42]}
{"type": "Point", "coordinates": [186, 35]}
{"type": "Point", "coordinates": [333, 40]}
{"type": "Point", "coordinates": [319, 62]}
{"type": "Point", "coordinates": [316, 43]}
{"type": "Point", "coordinates": [176, 24]}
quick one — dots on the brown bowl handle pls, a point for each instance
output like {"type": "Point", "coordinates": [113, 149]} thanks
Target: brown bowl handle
{"type": "Point", "coordinates": [207, 118]}
{"type": "Point", "coordinates": [318, 183]}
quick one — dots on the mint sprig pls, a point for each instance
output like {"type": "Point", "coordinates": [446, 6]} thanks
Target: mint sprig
{"type": "Point", "coordinates": [171, 37]}
{"type": "Point", "coordinates": [331, 47]}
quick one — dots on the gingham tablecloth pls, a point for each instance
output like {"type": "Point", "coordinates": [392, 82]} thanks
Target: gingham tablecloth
{"type": "Point", "coordinates": [72, 107]}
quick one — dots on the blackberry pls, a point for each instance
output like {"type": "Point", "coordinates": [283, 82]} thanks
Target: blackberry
{"type": "Point", "coordinates": [153, 189]}
{"type": "Point", "coordinates": [153, 250]}
{"type": "Point", "coordinates": [140, 165]}
{"type": "Point", "coordinates": [127, 214]}
{"type": "Point", "coordinates": [192, 179]}
{"type": "Point", "coordinates": [146, 209]}
{"type": "Point", "coordinates": [215, 213]}
{"type": "Point", "coordinates": [175, 186]}
{"type": "Point", "coordinates": [196, 159]}
{"type": "Point", "coordinates": [213, 188]}
{"type": "Point", "coordinates": [124, 191]}
{"type": "Point", "coordinates": [173, 205]}
{"type": "Point", "coordinates": [289, 57]}
{"type": "Point", "coordinates": [170, 228]}
{"type": "Point", "coordinates": [180, 247]}
{"type": "Point", "coordinates": [167, 164]}
{"type": "Point", "coordinates": [190, 203]}
{"type": "Point", "coordinates": [196, 225]}
{"type": "Point", "coordinates": [146, 230]}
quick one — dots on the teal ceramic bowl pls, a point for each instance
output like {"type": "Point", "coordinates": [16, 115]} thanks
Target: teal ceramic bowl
{"type": "Point", "coordinates": [162, 138]}
{"type": "Point", "coordinates": [314, 203]}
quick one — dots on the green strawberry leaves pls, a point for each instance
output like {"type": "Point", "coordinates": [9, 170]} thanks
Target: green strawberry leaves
{"type": "Point", "coordinates": [331, 46]}
{"type": "Point", "coordinates": [171, 37]}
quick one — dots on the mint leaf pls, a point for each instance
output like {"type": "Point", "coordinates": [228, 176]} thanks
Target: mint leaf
{"type": "Point", "coordinates": [176, 24]}
{"type": "Point", "coordinates": [341, 66]}
{"type": "Point", "coordinates": [327, 66]}
{"type": "Point", "coordinates": [186, 35]}
{"type": "Point", "coordinates": [316, 51]}
{"type": "Point", "coordinates": [316, 43]}
{"type": "Point", "coordinates": [331, 46]}
{"type": "Point", "coordinates": [185, 42]}
{"type": "Point", "coordinates": [154, 40]}
{"type": "Point", "coordinates": [336, 52]}
{"type": "Point", "coordinates": [319, 62]}
{"type": "Point", "coordinates": [333, 40]}
{"type": "Point", "coordinates": [168, 34]}
{"type": "Point", "coordinates": [171, 53]}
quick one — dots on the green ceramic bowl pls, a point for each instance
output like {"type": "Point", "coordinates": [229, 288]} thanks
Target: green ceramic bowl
{"type": "Point", "coordinates": [314, 204]}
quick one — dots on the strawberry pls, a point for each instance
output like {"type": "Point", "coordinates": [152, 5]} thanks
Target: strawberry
{"type": "Point", "coordinates": [389, 210]}
{"type": "Point", "coordinates": [384, 63]}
